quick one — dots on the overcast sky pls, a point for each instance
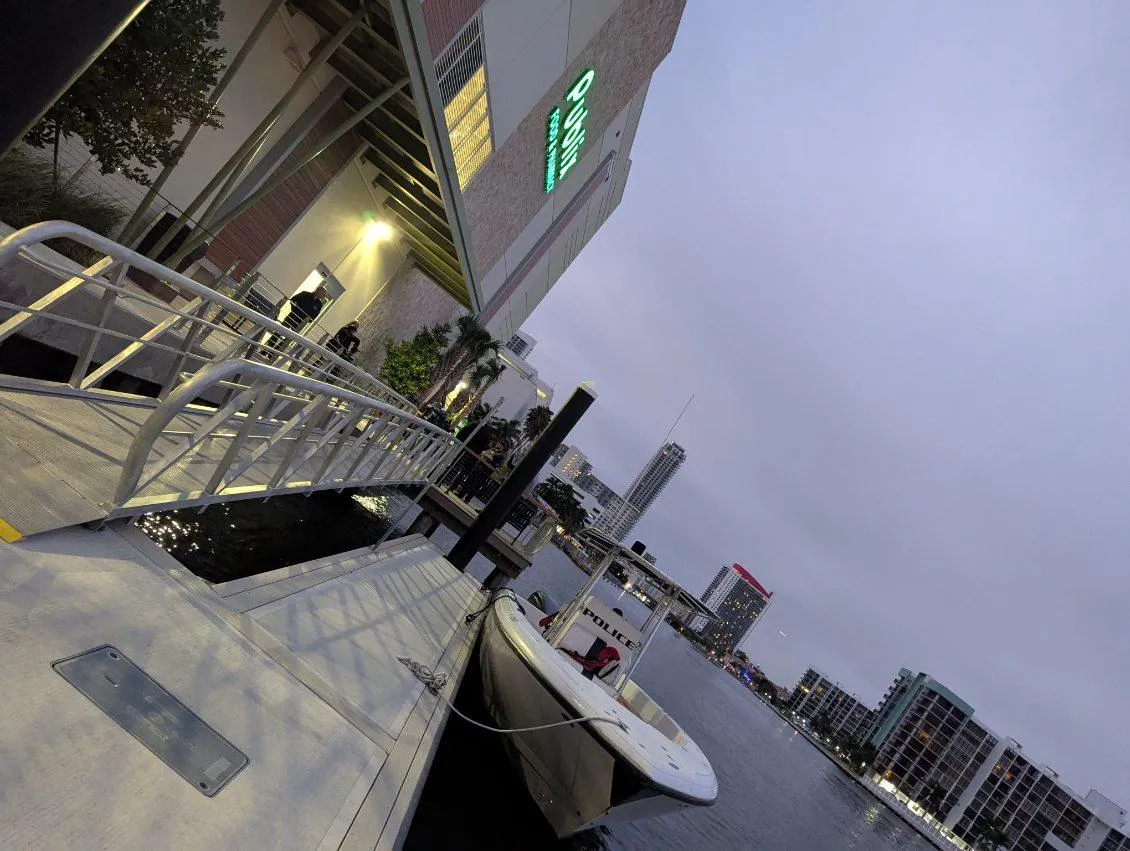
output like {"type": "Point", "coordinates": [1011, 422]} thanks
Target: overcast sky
{"type": "Point", "coordinates": [886, 245]}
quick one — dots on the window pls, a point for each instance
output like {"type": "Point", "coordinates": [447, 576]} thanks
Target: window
{"type": "Point", "coordinates": [463, 87]}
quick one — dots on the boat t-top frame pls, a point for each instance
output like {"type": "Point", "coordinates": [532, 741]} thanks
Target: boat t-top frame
{"type": "Point", "coordinates": [669, 591]}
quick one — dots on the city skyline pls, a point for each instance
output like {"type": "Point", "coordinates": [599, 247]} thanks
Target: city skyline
{"type": "Point", "coordinates": [910, 429]}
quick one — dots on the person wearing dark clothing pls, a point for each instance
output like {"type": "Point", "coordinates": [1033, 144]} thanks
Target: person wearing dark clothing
{"type": "Point", "coordinates": [304, 309]}
{"type": "Point", "coordinates": [436, 417]}
{"type": "Point", "coordinates": [478, 471]}
{"type": "Point", "coordinates": [345, 342]}
{"type": "Point", "coordinates": [467, 467]}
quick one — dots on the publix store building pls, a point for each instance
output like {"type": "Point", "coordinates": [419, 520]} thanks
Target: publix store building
{"type": "Point", "coordinates": [564, 83]}
{"type": "Point", "coordinates": [489, 139]}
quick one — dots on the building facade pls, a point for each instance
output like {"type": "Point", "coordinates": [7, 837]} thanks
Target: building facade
{"type": "Point", "coordinates": [518, 388]}
{"type": "Point", "coordinates": [820, 700]}
{"type": "Point", "coordinates": [521, 344]}
{"type": "Point", "coordinates": [618, 522]}
{"type": "Point", "coordinates": [964, 780]}
{"type": "Point", "coordinates": [488, 139]}
{"type": "Point", "coordinates": [740, 601]}
{"type": "Point", "coordinates": [655, 476]}
{"type": "Point", "coordinates": [573, 463]}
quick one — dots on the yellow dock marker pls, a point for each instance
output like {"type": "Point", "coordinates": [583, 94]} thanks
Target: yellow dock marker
{"type": "Point", "coordinates": [9, 534]}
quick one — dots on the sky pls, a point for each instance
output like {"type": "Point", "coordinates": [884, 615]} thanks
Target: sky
{"type": "Point", "coordinates": [885, 245]}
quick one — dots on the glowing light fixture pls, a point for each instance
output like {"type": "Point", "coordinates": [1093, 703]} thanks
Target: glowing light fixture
{"type": "Point", "coordinates": [377, 230]}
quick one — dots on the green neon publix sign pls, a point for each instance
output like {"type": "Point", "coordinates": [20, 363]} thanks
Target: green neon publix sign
{"type": "Point", "coordinates": [563, 139]}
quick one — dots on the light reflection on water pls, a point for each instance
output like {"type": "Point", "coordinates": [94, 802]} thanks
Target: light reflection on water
{"type": "Point", "coordinates": [237, 539]}
{"type": "Point", "coordinates": [171, 533]}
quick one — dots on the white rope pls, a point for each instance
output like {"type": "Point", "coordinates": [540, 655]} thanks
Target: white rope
{"type": "Point", "coordinates": [435, 682]}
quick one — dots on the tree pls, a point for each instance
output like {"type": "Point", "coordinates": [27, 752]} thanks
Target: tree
{"type": "Point", "coordinates": [484, 374]}
{"type": "Point", "coordinates": [992, 836]}
{"type": "Point", "coordinates": [409, 365]}
{"type": "Point", "coordinates": [861, 755]}
{"type": "Point", "coordinates": [932, 796]}
{"type": "Point", "coordinates": [740, 654]}
{"type": "Point", "coordinates": [470, 344]}
{"type": "Point", "coordinates": [507, 431]}
{"type": "Point", "coordinates": [127, 105]}
{"type": "Point", "coordinates": [822, 724]}
{"type": "Point", "coordinates": [564, 501]}
{"type": "Point", "coordinates": [537, 421]}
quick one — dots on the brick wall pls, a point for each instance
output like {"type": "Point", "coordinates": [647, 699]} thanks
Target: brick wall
{"type": "Point", "coordinates": [252, 235]}
{"type": "Point", "coordinates": [509, 189]}
{"type": "Point", "coordinates": [410, 301]}
{"type": "Point", "coordinates": [444, 19]}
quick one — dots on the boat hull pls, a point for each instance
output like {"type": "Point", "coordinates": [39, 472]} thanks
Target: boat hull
{"type": "Point", "coordinates": [577, 777]}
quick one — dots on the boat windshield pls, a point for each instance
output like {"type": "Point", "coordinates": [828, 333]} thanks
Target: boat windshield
{"type": "Point", "coordinates": [631, 696]}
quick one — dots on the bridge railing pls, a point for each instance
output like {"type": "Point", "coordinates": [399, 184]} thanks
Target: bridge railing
{"type": "Point", "coordinates": [280, 433]}
{"type": "Point", "coordinates": [113, 324]}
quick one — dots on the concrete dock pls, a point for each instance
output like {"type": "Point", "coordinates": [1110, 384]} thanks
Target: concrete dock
{"type": "Point", "coordinates": [296, 669]}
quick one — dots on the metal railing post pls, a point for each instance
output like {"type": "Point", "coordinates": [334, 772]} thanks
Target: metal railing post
{"type": "Point", "coordinates": [93, 338]}
{"type": "Point", "coordinates": [262, 398]}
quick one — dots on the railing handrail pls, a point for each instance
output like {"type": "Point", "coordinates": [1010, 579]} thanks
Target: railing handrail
{"type": "Point", "coordinates": [11, 245]}
{"type": "Point", "coordinates": [213, 374]}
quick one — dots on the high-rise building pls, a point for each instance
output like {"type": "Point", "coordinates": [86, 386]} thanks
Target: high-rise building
{"type": "Point", "coordinates": [573, 463]}
{"type": "Point", "coordinates": [643, 491]}
{"type": "Point", "coordinates": [961, 778]}
{"type": "Point", "coordinates": [521, 344]}
{"type": "Point", "coordinates": [739, 600]}
{"type": "Point", "coordinates": [818, 699]}
{"type": "Point", "coordinates": [928, 745]}
{"type": "Point", "coordinates": [619, 519]}
{"type": "Point", "coordinates": [655, 476]}
{"type": "Point", "coordinates": [892, 699]}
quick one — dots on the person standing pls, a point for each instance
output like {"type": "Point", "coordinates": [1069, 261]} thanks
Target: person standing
{"type": "Point", "coordinates": [304, 309]}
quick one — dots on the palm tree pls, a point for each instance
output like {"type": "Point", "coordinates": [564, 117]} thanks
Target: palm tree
{"type": "Point", "coordinates": [482, 376]}
{"type": "Point", "coordinates": [537, 421]}
{"type": "Point", "coordinates": [471, 343]}
{"type": "Point", "coordinates": [564, 502]}
{"type": "Point", "coordinates": [931, 797]}
{"type": "Point", "coordinates": [507, 433]}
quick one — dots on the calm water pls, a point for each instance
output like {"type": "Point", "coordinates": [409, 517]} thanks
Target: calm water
{"type": "Point", "coordinates": [776, 790]}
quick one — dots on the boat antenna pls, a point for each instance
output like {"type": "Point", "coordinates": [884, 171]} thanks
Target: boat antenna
{"type": "Point", "coordinates": [668, 435]}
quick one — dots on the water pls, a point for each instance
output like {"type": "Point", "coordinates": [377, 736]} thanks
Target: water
{"type": "Point", "coordinates": [776, 791]}
{"type": "Point", "coordinates": [242, 538]}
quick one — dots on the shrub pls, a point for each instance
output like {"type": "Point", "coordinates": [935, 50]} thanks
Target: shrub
{"type": "Point", "coordinates": [28, 195]}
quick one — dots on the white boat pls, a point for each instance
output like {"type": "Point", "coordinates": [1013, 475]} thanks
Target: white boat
{"type": "Point", "coordinates": [638, 762]}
